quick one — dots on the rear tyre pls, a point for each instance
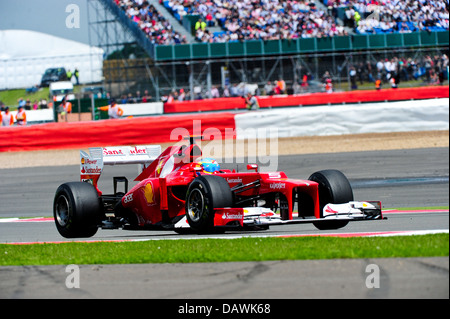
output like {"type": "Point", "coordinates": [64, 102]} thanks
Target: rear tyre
{"type": "Point", "coordinates": [76, 210]}
{"type": "Point", "coordinates": [204, 194]}
{"type": "Point", "coordinates": [334, 188]}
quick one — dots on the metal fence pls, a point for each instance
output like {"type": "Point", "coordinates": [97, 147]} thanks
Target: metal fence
{"type": "Point", "coordinates": [299, 46]}
{"type": "Point", "coordinates": [198, 78]}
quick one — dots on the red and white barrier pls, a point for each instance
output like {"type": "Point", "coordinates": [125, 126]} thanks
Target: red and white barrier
{"type": "Point", "coordinates": [348, 97]}
{"type": "Point", "coordinates": [423, 115]}
{"type": "Point", "coordinates": [127, 131]}
{"type": "Point", "coordinates": [404, 116]}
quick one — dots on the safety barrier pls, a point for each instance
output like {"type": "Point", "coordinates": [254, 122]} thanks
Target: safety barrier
{"type": "Point", "coordinates": [358, 96]}
{"type": "Point", "coordinates": [207, 105]}
{"type": "Point", "coordinates": [402, 116]}
{"type": "Point", "coordinates": [238, 103]}
{"type": "Point", "coordinates": [38, 116]}
{"type": "Point", "coordinates": [127, 131]}
{"type": "Point", "coordinates": [421, 115]}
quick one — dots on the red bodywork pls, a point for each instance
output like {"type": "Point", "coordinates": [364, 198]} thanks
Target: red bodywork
{"type": "Point", "coordinates": [162, 187]}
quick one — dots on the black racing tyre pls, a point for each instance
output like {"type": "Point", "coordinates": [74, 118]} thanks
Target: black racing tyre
{"type": "Point", "coordinates": [76, 210]}
{"type": "Point", "coordinates": [334, 188]}
{"type": "Point", "coordinates": [204, 194]}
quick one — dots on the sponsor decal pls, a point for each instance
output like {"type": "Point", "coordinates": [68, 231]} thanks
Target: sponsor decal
{"type": "Point", "coordinates": [234, 180]}
{"type": "Point", "coordinates": [124, 151]}
{"type": "Point", "coordinates": [278, 186]}
{"type": "Point", "coordinates": [87, 161]}
{"type": "Point", "coordinates": [128, 198]}
{"type": "Point", "coordinates": [268, 214]}
{"type": "Point", "coordinates": [112, 152]}
{"type": "Point", "coordinates": [90, 170]}
{"type": "Point", "coordinates": [329, 210]}
{"type": "Point", "coordinates": [236, 215]}
{"type": "Point", "coordinates": [137, 151]}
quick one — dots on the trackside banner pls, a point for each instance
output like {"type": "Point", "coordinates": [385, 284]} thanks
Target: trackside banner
{"type": "Point", "coordinates": [127, 131]}
{"type": "Point", "coordinates": [403, 116]}
{"type": "Point", "coordinates": [347, 97]}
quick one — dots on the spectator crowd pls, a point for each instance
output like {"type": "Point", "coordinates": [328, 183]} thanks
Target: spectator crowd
{"type": "Point", "coordinates": [151, 21]}
{"type": "Point", "coordinates": [240, 20]}
{"type": "Point", "coordinates": [429, 69]}
{"type": "Point", "coordinates": [390, 16]}
{"type": "Point", "coordinates": [259, 19]}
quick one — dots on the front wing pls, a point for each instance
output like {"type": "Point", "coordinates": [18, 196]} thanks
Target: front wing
{"type": "Point", "coordinates": [261, 216]}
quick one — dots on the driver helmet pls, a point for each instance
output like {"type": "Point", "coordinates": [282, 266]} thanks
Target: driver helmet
{"type": "Point", "coordinates": [209, 165]}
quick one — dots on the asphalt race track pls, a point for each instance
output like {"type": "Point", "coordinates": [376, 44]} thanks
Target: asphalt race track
{"type": "Point", "coordinates": [400, 179]}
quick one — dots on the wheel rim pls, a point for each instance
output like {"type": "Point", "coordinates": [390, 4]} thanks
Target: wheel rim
{"type": "Point", "coordinates": [62, 210]}
{"type": "Point", "coordinates": [196, 204]}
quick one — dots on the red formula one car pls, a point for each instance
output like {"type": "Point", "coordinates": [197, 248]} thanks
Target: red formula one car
{"type": "Point", "coordinates": [181, 191]}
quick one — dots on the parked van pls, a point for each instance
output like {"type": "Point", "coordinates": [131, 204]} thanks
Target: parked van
{"type": "Point", "coordinates": [58, 90]}
{"type": "Point", "coordinates": [53, 75]}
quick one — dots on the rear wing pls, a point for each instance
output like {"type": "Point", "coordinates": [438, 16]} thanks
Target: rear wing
{"type": "Point", "coordinates": [91, 165]}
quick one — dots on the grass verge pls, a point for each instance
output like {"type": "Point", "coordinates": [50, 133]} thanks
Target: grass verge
{"type": "Point", "coordinates": [220, 250]}
{"type": "Point", "coordinates": [10, 97]}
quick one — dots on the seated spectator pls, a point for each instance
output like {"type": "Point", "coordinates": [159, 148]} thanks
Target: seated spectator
{"type": "Point", "coordinates": [153, 23]}
{"type": "Point", "coordinates": [394, 16]}
{"type": "Point", "coordinates": [288, 19]}
{"type": "Point", "coordinates": [261, 20]}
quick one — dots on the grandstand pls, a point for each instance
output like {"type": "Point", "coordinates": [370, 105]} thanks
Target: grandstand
{"type": "Point", "coordinates": [234, 20]}
{"type": "Point", "coordinates": [200, 44]}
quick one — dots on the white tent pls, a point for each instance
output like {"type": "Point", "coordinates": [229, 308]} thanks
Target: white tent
{"type": "Point", "coordinates": [25, 55]}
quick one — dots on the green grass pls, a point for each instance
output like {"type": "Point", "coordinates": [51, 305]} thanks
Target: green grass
{"type": "Point", "coordinates": [224, 250]}
{"type": "Point", "coordinates": [10, 97]}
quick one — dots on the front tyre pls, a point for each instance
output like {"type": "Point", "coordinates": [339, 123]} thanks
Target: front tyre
{"type": "Point", "coordinates": [76, 210]}
{"type": "Point", "coordinates": [334, 188]}
{"type": "Point", "coordinates": [204, 194]}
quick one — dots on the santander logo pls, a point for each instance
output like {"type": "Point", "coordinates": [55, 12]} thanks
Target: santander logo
{"type": "Point", "coordinates": [116, 151]}
{"type": "Point", "coordinates": [137, 151]}
{"type": "Point", "coordinates": [113, 152]}
{"type": "Point", "coordinates": [236, 215]}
